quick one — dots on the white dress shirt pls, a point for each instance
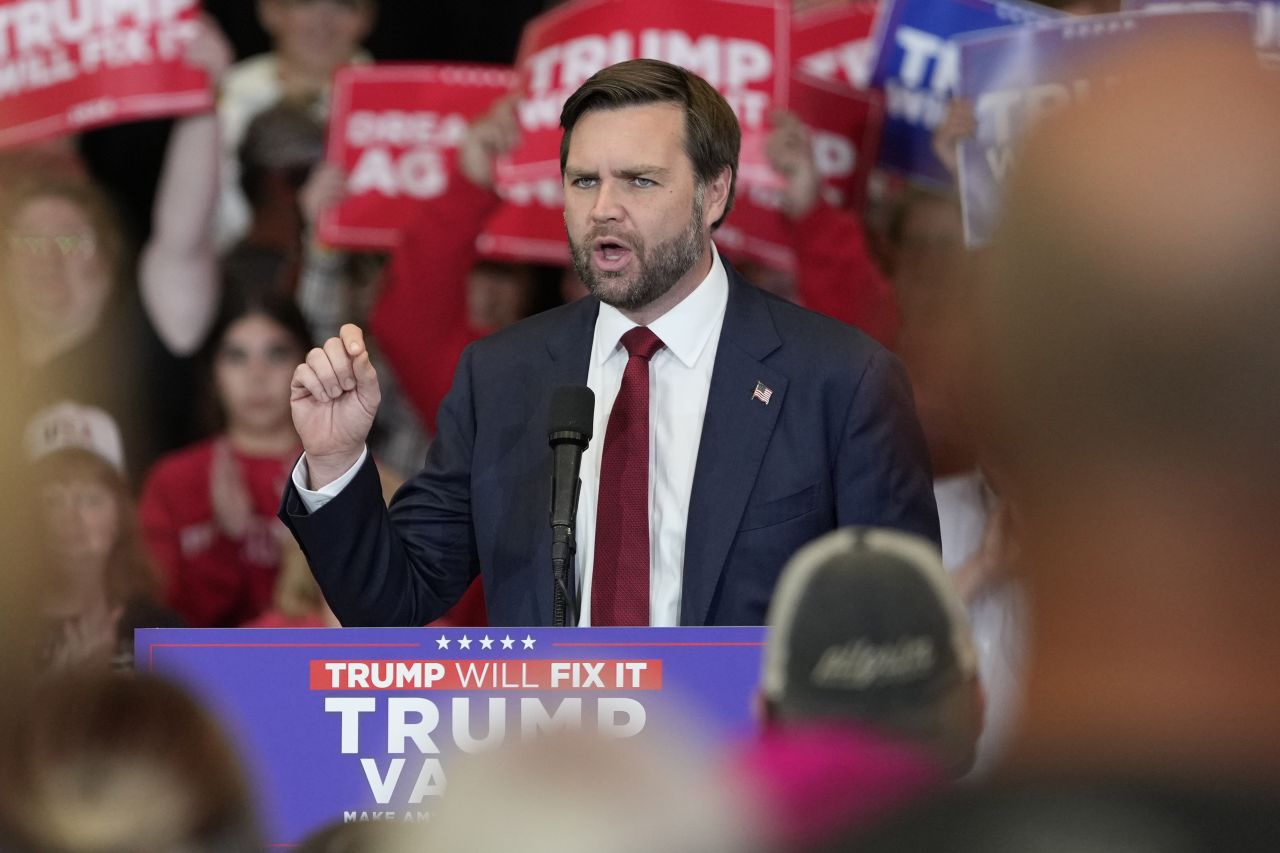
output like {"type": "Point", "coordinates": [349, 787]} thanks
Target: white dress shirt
{"type": "Point", "coordinates": [679, 383]}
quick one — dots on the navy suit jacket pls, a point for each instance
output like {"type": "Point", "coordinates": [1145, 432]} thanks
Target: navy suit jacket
{"type": "Point", "coordinates": [837, 444]}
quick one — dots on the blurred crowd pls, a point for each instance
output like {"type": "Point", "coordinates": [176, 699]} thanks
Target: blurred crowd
{"type": "Point", "coordinates": [1098, 391]}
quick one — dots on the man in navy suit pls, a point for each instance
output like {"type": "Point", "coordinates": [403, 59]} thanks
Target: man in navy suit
{"type": "Point", "coordinates": [730, 427]}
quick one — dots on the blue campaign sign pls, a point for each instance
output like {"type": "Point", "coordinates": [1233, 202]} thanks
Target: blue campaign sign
{"type": "Point", "coordinates": [363, 723]}
{"type": "Point", "coordinates": [1266, 23]}
{"type": "Point", "coordinates": [916, 65]}
{"type": "Point", "coordinates": [1015, 75]}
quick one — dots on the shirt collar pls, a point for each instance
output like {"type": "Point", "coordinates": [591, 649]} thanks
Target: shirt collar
{"type": "Point", "coordinates": [685, 329]}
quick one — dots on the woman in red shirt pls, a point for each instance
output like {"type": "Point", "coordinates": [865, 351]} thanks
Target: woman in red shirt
{"type": "Point", "coordinates": [208, 510]}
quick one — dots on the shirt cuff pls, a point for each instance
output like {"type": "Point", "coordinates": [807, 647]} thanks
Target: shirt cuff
{"type": "Point", "coordinates": [313, 499]}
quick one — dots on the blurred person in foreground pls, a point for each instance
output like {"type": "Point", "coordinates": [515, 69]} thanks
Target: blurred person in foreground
{"type": "Point", "coordinates": [1130, 330]}
{"type": "Point", "coordinates": [363, 836]}
{"type": "Point", "coordinates": [870, 693]}
{"type": "Point", "coordinates": [22, 556]}
{"type": "Point", "coordinates": [581, 792]}
{"type": "Point", "coordinates": [933, 279]}
{"type": "Point", "coordinates": [108, 763]}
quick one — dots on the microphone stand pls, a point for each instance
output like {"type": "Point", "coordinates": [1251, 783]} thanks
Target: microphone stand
{"type": "Point", "coordinates": [564, 544]}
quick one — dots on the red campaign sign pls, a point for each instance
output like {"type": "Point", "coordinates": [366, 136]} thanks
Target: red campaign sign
{"type": "Point", "coordinates": [65, 67]}
{"type": "Point", "coordinates": [392, 129]}
{"type": "Point", "coordinates": [844, 127]}
{"type": "Point", "coordinates": [835, 42]}
{"type": "Point", "coordinates": [742, 47]}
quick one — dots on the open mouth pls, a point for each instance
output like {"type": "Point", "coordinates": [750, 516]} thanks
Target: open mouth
{"type": "Point", "coordinates": [610, 254]}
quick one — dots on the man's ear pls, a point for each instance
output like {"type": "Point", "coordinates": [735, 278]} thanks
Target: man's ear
{"type": "Point", "coordinates": [715, 196]}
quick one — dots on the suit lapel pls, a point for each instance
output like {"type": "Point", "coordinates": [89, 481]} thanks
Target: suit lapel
{"type": "Point", "coordinates": [569, 348]}
{"type": "Point", "coordinates": [735, 434]}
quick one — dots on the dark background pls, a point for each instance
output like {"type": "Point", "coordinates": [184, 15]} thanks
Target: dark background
{"type": "Point", "coordinates": [127, 158]}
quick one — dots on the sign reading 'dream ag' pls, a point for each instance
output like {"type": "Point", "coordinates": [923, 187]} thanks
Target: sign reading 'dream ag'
{"type": "Point", "coordinates": [1017, 75]}
{"type": "Point", "coordinates": [742, 47]}
{"type": "Point", "coordinates": [394, 129]}
{"type": "Point", "coordinates": [67, 66]}
{"type": "Point", "coordinates": [366, 724]}
{"type": "Point", "coordinates": [917, 65]}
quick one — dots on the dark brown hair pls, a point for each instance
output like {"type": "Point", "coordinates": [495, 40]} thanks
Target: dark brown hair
{"type": "Point", "coordinates": [711, 133]}
{"type": "Point", "coordinates": [111, 763]}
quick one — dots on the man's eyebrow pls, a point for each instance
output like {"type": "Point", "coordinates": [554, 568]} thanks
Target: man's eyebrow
{"type": "Point", "coordinates": [571, 172]}
{"type": "Point", "coordinates": [638, 171]}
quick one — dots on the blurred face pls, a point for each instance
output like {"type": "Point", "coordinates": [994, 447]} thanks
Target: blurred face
{"type": "Point", "coordinates": [54, 273]}
{"type": "Point", "coordinates": [83, 519]}
{"type": "Point", "coordinates": [252, 370]}
{"type": "Point", "coordinates": [633, 209]}
{"type": "Point", "coordinates": [317, 35]}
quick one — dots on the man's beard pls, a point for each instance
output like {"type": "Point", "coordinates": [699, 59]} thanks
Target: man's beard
{"type": "Point", "coordinates": [654, 271]}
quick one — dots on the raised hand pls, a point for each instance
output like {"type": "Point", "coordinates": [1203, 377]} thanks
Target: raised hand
{"type": "Point", "coordinates": [334, 396]}
{"type": "Point", "coordinates": [489, 137]}
{"type": "Point", "coordinates": [959, 123]}
{"type": "Point", "coordinates": [210, 50]}
{"type": "Point", "coordinates": [325, 187]}
{"type": "Point", "coordinates": [790, 153]}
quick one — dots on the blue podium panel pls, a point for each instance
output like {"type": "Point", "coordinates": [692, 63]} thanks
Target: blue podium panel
{"type": "Point", "coordinates": [362, 723]}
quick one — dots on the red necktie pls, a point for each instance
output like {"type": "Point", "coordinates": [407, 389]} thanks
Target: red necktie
{"type": "Point", "coordinates": [620, 575]}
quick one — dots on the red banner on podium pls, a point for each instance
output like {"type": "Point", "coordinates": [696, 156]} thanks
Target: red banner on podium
{"type": "Point", "coordinates": [65, 67]}
{"type": "Point", "coordinates": [393, 129]}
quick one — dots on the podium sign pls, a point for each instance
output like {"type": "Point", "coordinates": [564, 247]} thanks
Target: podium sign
{"type": "Point", "coordinates": [363, 723]}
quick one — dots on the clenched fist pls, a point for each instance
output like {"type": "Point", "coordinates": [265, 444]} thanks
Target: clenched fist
{"type": "Point", "coordinates": [334, 396]}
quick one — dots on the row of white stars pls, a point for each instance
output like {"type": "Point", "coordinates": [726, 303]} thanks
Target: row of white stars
{"type": "Point", "coordinates": [487, 643]}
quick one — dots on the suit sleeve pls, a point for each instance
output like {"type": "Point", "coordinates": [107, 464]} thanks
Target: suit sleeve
{"type": "Point", "coordinates": [420, 319]}
{"type": "Point", "coordinates": [882, 464]}
{"type": "Point", "coordinates": [837, 276]}
{"type": "Point", "coordinates": [408, 564]}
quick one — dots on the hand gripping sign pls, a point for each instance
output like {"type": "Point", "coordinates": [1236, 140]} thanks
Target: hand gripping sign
{"type": "Point", "coordinates": [916, 65]}
{"type": "Point", "coordinates": [742, 47]}
{"type": "Point", "coordinates": [1018, 74]}
{"type": "Point", "coordinates": [392, 130]}
{"type": "Point", "coordinates": [69, 66]}
{"type": "Point", "coordinates": [833, 43]}
{"type": "Point", "coordinates": [844, 129]}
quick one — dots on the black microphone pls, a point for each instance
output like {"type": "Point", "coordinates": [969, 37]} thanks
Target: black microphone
{"type": "Point", "coordinates": [569, 433]}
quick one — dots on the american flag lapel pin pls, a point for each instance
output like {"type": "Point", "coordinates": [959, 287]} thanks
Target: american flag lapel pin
{"type": "Point", "coordinates": [763, 393]}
